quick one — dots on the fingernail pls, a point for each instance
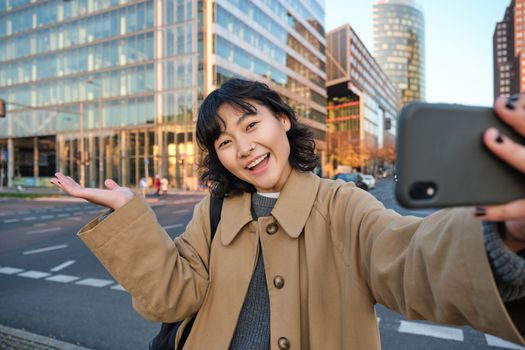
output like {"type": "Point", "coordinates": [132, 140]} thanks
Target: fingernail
{"type": "Point", "coordinates": [511, 101]}
{"type": "Point", "coordinates": [499, 139]}
{"type": "Point", "coordinates": [480, 211]}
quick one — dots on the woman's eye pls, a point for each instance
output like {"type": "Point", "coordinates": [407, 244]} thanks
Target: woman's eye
{"type": "Point", "coordinates": [223, 143]}
{"type": "Point", "coordinates": [251, 125]}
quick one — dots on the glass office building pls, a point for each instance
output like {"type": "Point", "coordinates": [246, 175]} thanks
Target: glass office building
{"type": "Point", "coordinates": [399, 45]}
{"type": "Point", "coordinates": [362, 104]}
{"type": "Point", "coordinates": [111, 88]}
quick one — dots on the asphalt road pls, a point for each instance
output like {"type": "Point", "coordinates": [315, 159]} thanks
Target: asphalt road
{"type": "Point", "coordinates": [51, 284]}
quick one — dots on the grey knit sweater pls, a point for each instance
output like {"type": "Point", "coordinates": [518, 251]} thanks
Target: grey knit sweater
{"type": "Point", "coordinates": [253, 326]}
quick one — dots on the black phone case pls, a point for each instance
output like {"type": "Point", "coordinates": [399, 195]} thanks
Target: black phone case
{"type": "Point", "coordinates": [442, 161]}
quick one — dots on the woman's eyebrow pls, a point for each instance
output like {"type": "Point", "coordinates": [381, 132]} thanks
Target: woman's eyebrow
{"type": "Point", "coordinates": [244, 116]}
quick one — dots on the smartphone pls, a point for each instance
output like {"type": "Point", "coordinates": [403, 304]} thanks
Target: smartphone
{"type": "Point", "coordinates": [442, 161]}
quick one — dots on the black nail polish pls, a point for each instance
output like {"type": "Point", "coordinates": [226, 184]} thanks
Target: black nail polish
{"type": "Point", "coordinates": [499, 139]}
{"type": "Point", "coordinates": [511, 101]}
{"type": "Point", "coordinates": [480, 211]}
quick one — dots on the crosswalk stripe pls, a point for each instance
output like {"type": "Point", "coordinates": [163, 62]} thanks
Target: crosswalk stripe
{"type": "Point", "coordinates": [33, 274]}
{"type": "Point", "coordinates": [62, 278]}
{"type": "Point", "coordinates": [431, 331]}
{"type": "Point", "coordinates": [495, 341]}
{"type": "Point", "coordinates": [94, 282]}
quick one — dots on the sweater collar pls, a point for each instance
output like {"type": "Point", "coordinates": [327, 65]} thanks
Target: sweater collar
{"type": "Point", "coordinates": [291, 210]}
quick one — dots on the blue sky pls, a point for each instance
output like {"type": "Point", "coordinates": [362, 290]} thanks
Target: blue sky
{"type": "Point", "coordinates": [458, 44]}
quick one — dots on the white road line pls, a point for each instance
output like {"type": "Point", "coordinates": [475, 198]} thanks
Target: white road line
{"type": "Point", "coordinates": [93, 211]}
{"type": "Point", "coordinates": [75, 218]}
{"type": "Point", "coordinates": [47, 216]}
{"type": "Point", "coordinates": [94, 282]}
{"type": "Point", "coordinates": [431, 331]}
{"type": "Point", "coordinates": [118, 287]}
{"type": "Point", "coordinates": [64, 215]}
{"type": "Point", "coordinates": [40, 224]}
{"type": "Point", "coordinates": [172, 226]}
{"type": "Point", "coordinates": [52, 229]}
{"type": "Point", "coordinates": [62, 278]}
{"type": "Point", "coordinates": [63, 266]}
{"type": "Point", "coordinates": [45, 249]}
{"type": "Point", "coordinates": [10, 270]}
{"type": "Point", "coordinates": [495, 341]}
{"type": "Point", "coordinates": [8, 221]}
{"type": "Point", "coordinates": [34, 274]}
{"type": "Point", "coordinates": [182, 211]}
{"type": "Point", "coordinates": [30, 218]}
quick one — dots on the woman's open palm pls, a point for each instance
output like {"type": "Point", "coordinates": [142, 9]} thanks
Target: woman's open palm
{"type": "Point", "coordinates": [114, 197]}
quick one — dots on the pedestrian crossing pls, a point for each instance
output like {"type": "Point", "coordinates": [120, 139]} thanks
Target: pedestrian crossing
{"type": "Point", "coordinates": [407, 327]}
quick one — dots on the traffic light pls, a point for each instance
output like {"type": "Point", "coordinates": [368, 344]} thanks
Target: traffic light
{"type": "Point", "coordinates": [388, 123]}
{"type": "Point", "coordinates": [2, 108]}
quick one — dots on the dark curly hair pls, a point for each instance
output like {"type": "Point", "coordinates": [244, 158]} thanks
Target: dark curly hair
{"type": "Point", "coordinates": [237, 92]}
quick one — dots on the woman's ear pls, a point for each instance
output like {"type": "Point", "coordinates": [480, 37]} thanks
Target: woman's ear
{"type": "Point", "coordinates": [285, 121]}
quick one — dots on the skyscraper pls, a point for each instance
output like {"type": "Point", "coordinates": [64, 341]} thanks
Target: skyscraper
{"type": "Point", "coordinates": [110, 88]}
{"type": "Point", "coordinates": [399, 45]}
{"type": "Point", "coordinates": [508, 51]}
{"type": "Point", "coordinates": [362, 103]}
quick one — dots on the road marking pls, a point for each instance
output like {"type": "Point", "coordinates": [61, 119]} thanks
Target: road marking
{"type": "Point", "coordinates": [94, 211]}
{"type": "Point", "coordinates": [65, 215]}
{"type": "Point", "coordinates": [431, 331]}
{"type": "Point", "coordinates": [118, 287]}
{"type": "Point", "coordinates": [75, 218]}
{"type": "Point", "coordinates": [30, 218]}
{"type": "Point", "coordinates": [63, 266]}
{"type": "Point", "coordinates": [495, 341]}
{"type": "Point", "coordinates": [8, 221]}
{"type": "Point", "coordinates": [172, 226]}
{"type": "Point", "coordinates": [45, 249]}
{"type": "Point", "coordinates": [33, 274]}
{"type": "Point", "coordinates": [47, 216]}
{"type": "Point", "coordinates": [10, 270]}
{"type": "Point", "coordinates": [44, 230]}
{"type": "Point", "coordinates": [40, 224]}
{"type": "Point", "coordinates": [182, 211]}
{"type": "Point", "coordinates": [94, 282]}
{"type": "Point", "coordinates": [62, 278]}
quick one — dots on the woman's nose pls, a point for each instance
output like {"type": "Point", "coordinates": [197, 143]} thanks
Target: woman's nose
{"type": "Point", "coordinates": [245, 149]}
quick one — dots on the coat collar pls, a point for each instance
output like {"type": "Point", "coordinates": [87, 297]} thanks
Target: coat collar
{"type": "Point", "coordinates": [291, 210]}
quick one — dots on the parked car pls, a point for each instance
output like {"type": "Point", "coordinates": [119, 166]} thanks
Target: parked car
{"type": "Point", "coordinates": [356, 178]}
{"type": "Point", "coordinates": [370, 181]}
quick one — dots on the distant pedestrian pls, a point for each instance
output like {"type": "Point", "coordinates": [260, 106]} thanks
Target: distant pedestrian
{"type": "Point", "coordinates": [164, 186]}
{"type": "Point", "coordinates": [157, 185]}
{"type": "Point", "coordinates": [143, 185]}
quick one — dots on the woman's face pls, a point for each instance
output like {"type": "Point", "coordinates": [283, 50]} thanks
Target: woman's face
{"type": "Point", "coordinates": [254, 147]}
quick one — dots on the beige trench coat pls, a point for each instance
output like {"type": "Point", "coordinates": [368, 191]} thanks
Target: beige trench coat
{"type": "Point", "coordinates": [337, 250]}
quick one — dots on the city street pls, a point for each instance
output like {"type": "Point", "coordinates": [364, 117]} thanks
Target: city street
{"type": "Point", "coordinates": [52, 285]}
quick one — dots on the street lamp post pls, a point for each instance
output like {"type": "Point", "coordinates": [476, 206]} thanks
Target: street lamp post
{"type": "Point", "coordinates": [100, 136]}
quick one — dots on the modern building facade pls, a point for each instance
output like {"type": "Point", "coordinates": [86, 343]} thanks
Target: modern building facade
{"type": "Point", "coordinates": [111, 88]}
{"type": "Point", "coordinates": [508, 51]}
{"type": "Point", "coordinates": [399, 45]}
{"type": "Point", "coordinates": [362, 103]}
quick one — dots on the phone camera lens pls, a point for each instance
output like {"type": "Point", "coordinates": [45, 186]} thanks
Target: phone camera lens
{"type": "Point", "coordinates": [422, 190]}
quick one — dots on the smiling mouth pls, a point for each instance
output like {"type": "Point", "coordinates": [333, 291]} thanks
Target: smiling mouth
{"type": "Point", "coordinates": [257, 161]}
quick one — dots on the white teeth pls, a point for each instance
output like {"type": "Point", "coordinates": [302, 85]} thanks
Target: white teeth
{"type": "Point", "coordinates": [257, 161]}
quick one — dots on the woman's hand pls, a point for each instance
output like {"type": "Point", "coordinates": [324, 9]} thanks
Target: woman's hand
{"type": "Point", "coordinates": [114, 197]}
{"type": "Point", "coordinates": [512, 111]}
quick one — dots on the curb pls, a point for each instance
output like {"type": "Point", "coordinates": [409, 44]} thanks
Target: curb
{"type": "Point", "coordinates": [20, 339]}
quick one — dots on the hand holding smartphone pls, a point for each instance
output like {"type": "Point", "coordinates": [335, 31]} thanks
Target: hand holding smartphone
{"type": "Point", "coordinates": [442, 160]}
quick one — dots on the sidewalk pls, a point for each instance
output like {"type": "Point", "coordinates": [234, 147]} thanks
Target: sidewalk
{"type": "Point", "coordinates": [16, 339]}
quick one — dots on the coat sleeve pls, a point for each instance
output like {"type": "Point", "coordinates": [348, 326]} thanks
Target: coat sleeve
{"type": "Point", "coordinates": [166, 278]}
{"type": "Point", "coordinates": [434, 268]}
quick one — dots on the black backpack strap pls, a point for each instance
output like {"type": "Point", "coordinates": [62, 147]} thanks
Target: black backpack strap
{"type": "Point", "coordinates": [215, 213]}
{"type": "Point", "coordinates": [215, 217]}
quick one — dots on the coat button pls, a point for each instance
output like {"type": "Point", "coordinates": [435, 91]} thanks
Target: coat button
{"type": "Point", "coordinates": [278, 282]}
{"type": "Point", "coordinates": [284, 343]}
{"type": "Point", "coordinates": [271, 228]}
